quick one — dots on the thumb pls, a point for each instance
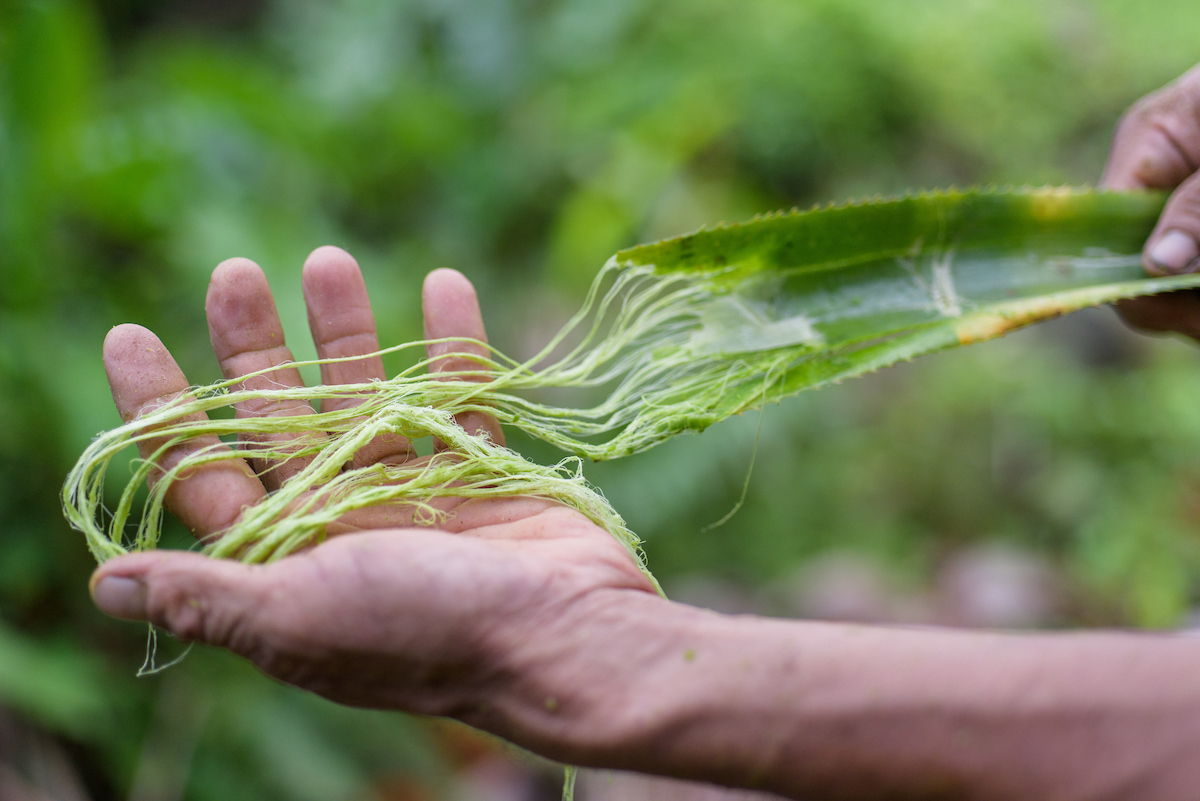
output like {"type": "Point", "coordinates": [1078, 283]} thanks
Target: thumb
{"type": "Point", "coordinates": [196, 598]}
{"type": "Point", "coordinates": [1174, 247]}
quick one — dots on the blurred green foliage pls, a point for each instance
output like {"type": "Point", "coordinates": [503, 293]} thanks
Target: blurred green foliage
{"type": "Point", "coordinates": [522, 142]}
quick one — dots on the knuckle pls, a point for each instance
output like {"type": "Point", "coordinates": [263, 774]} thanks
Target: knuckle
{"type": "Point", "coordinates": [271, 407]}
{"type": "Point", "coordinates": [181, 611]}
{"type": "Point", "coordinates": [1184, 214]}
{"type": "Point", "coordinates": [352, 343]}
{"type": "Point", "coordinates": [1183, 210]}
{"type": "Point", "coordinates": [1158, 140]}
{"type": "Point", "coordinates": [1157, 162]}
{"type": "Point", "coordinates": [188, 610]}
{"type": "Point", "coordinates": [384, 449]}
{"type": "Point", "coordinates": [337, 404]}
{"type": "Point", "coordinates": [1142, 113]}
{"type": "Point", "coordinates": [1168, 98]}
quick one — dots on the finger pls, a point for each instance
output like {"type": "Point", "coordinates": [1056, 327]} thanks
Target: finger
{"type": "Point", "coordinates": [1174, 245]}
{"type": "Point", "coordinates": [246, 337]}
{"type": "Point", "coordinates": [1175, 311]}
{"type": "Point", "coordinates": [1173, 248]}
{"type": "Point", "coordinates": [1157, 146]}
{"type": "Point", "coordinates": [342, 324]}
{"type": "Point", "coordinates": [196, 598]}
{"type": "Point", "coordinates": [452, 310]}
{"type": "Point", "coordinates": [1157, 142]}
{"type": "Point", "coordinates": [143, 376]}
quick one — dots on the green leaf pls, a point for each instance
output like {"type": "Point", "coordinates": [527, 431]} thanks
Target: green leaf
{"type": "Point", "coordinates": [848, 289]}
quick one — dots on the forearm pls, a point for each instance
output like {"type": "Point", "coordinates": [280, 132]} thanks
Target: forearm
{"type": "Point", "coordinates": [833, 711]}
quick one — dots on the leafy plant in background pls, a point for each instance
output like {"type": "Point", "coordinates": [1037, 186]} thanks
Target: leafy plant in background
{"type": "Point", "coordinates": [522, 143]}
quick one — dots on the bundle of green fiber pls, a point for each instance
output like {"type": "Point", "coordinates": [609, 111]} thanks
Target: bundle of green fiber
{"type": "Point", "coordinates": [673, 337]}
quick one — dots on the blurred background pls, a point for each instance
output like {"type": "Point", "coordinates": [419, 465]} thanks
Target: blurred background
{"type": "Point", "coordinates": [1048, 480]}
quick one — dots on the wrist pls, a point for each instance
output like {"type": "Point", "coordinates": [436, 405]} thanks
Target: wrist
{"type": "Point", "coordinates": [626, 680]}
{"type": "Point", "coordinates": [572, 684]}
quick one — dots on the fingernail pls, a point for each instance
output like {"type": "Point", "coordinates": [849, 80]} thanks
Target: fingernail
{"type": "Point", "coordinates": [121, 597]}
{"type": "Point", "coordinates": [1174, 251]}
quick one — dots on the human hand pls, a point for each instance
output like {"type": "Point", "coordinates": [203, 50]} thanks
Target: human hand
{"type": "Point", "coordinates": [525, 619]}
{"type": "Point", "coordinates": [1157, 146]}
{"type": "Point", "coordinates": [431, 620]}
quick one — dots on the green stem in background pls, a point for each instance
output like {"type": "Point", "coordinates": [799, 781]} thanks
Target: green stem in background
{"type": "Point", "coordinates": [570, 774]}
{"type": "Point", "coordinates": [673, 337]}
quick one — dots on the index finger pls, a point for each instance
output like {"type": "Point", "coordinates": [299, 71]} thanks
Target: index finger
{"type": "Point", "coordinates": [144, 376]}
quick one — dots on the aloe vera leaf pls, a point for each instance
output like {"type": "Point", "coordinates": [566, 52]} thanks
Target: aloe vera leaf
{"type": "Point", "coordinates": [848, 289]}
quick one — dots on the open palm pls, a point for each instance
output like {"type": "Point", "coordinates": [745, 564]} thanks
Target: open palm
{"type": "Point", "coordinates": [415, 618]}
